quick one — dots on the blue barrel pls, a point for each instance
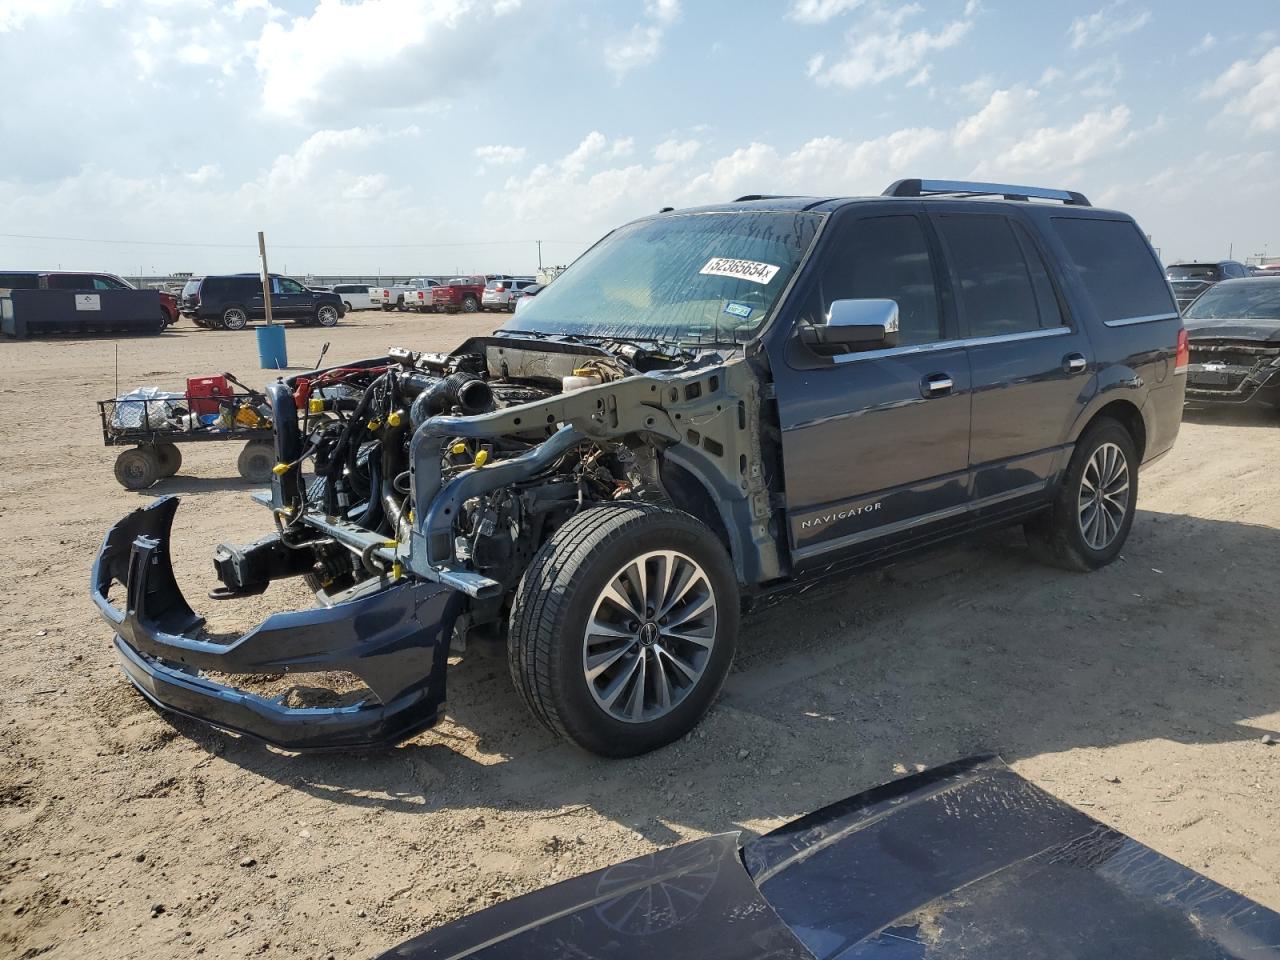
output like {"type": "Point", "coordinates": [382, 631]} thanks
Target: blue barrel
{"type": "Point", "coordinates": [272, 354]}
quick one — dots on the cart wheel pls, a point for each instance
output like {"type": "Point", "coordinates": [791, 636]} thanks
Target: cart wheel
{"type": "Point", "coordinates": [138, 468]}
{"type": "Point", "coordinates": [256, 460]}
{"type": "Point", "coordinates": [169, 457]}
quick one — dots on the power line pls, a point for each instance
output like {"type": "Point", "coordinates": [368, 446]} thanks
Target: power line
{"type": "Point", "coordinates": [295, 246]}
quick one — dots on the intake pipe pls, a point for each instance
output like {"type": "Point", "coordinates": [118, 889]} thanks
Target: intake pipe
{"type": "Point", "coordinates": [461, 390]}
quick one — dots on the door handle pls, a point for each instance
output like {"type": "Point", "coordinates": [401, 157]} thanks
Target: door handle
{"type": "Point", "coordinates": [937, 385]}
{"type": "Point", "coordinates": [1074, 363]}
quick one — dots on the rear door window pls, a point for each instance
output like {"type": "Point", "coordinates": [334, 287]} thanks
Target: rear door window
{"type": "Point", "coordinates": [70, 281]}
{"type": "Point", "coordinates": [1117, 267]}
{"type": "Point", "coordinates": [20, 281]}
{"type": "Point", "coordinates": [992, 276]}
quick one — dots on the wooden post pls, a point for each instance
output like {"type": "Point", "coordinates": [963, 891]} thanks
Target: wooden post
{"type": "Point", "coordinates": [266, 276]}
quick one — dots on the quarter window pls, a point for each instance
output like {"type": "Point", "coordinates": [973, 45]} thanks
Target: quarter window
{"type": "Point", "coordinates": [1117, 267]}
{"type": "Point", "coordinates": [886, 258]}
{"type": "Point", "coordinates": [995, 283]}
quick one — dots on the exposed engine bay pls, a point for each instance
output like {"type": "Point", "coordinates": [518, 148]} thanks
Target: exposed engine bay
{"type": "Point", "coordinates": [456, 467]}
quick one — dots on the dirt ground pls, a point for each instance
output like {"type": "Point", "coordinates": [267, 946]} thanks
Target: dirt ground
{"type": "Point", "coordinates": [1140, 693]}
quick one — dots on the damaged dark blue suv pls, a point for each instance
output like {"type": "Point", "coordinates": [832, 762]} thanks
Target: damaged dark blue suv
{"type": "Point", "coordinates": [709, 408]}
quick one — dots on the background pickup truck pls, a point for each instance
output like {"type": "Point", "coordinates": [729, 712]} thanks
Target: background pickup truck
{"type": "Point", "coordinates": [413, 293]}
{"type": "Point", "coordinates": [459, 294]}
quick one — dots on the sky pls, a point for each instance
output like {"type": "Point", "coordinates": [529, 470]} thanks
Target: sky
{"type": "Point", "coordinates": [406, 137]}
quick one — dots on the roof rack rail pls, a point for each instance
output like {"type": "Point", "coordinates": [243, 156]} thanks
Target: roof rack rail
{"type": "Point", "coordinates": [764, 196]}
{"type": "Point", "coordinates": [966, 188]}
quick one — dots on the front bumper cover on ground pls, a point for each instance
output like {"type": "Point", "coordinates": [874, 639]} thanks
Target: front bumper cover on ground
{"type": "Point", "coordinates": [395, 640]}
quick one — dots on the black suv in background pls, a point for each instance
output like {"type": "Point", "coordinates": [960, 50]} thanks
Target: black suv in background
{"type": "Point", "coordinates": [1189, 280]}
{"type": "Point", "coordinates": [230, 302]}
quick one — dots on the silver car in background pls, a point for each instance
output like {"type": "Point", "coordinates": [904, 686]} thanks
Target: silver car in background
{"type": "Point", "coordinates": [501, 292]}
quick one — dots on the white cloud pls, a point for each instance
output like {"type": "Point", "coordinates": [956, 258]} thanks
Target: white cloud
{"type": "Point", "coordinates": [643, 42]}
{"type": "Point", "coordinates": [1004, 112]}
{"type": "Point", "coordinates": [390, 53]}
{"type": "Point", "coordinates": [676, 151]}
{"type": "Point", "coordinates": [1252, 91]}
{"type": "Point", "coordinates": [1207, 42]}
{"type": "Point", "coordinates": [820, 11]}
{"type": "Point", "coordinates": [1096, 134]}
{"type": "Point", "coordinates": [206, 173]}
{"type": "Point", "coordinates": [498, 155]}
{"type": "Point", "coordinates": [1102, 26]}
{"type": "Point", "coordinates": [879, 48]}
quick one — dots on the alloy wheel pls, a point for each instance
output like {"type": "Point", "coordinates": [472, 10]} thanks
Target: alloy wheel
{"type": "Point", "coordinates": [1104, 496]}
{"type": "Point", "coordinates": [327, 316]}
{"type": "Point", "coordinates": [649, 636]}
{"type": "Point", "coordinates": [235, 319]}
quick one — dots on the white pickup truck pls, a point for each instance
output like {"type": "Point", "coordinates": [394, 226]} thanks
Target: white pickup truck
{"type": "Point", "coordinates": [413, 294]}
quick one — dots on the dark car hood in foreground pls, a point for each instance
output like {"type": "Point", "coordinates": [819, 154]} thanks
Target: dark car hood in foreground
{"type": "Point", "coordinates": [1263, 331]}
{"type": "Point", "coordinates": [963, 862]}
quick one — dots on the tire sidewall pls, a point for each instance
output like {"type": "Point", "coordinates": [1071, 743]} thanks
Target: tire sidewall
{"type": "Point", "coordinates": [586, 722]}
{"type": "Point", "coordinates": [1106, 432]}
{"type": "Point", "coordinates": [244, 315]}
{"type": "Point", "coordinates": [320, 312]}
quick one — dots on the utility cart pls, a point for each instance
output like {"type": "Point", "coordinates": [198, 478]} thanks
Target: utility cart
{"type": "Point", "coordinates": [152, 423]}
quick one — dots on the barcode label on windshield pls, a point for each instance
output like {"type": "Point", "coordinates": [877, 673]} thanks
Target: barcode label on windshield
{"type": "Point", "coordinates": [741, 269]}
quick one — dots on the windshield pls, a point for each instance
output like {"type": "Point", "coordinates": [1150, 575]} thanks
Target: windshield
{"type": "Point", "coordinates": [1193, 272]}
{"type": "Point", "coordinates": [1250, 300]}
{"type": "Point", "coordinates": [698, 276]}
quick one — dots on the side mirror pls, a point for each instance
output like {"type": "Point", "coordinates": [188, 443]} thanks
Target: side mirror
{"type": "Point", "coordinates": [861, 324]}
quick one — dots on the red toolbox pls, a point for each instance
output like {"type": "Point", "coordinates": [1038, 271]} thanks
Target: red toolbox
{"type": "Point", "coordinates": [205, 392]}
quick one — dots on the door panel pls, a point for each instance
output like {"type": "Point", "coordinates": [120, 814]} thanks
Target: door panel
{"type": "Point", "coordinates": [1029, 365]}
{"type": "Point", "coordinates": [868, 447]}
{"type": "Point", "coordinates": [866, 452]}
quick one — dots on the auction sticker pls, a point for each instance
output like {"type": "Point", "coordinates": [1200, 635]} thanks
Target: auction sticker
{"type": "Point", "coordinates": [88, 301]}
{"type": "Point", "coordinates": [751, 270]}
{"type": "Point", "coordinates": [735, 309]}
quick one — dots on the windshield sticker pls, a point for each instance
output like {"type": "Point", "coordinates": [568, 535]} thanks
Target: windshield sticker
{"type": "Point", "coordinates": [740, 269]}
{"type": "Point", "coordinates": [735, 309]}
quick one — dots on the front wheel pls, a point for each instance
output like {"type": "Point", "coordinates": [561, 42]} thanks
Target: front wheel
{"type": "Point", "coordinates": [346, 306]}
{"type": "Point", "coordinates": [1089, 521]}
{"type": "Point", "coordinates": [624, 627]}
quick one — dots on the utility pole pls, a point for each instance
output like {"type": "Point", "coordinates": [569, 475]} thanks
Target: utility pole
{"type": "Point", "coordinates": [266, 276]}
{"type": "Point", "coordinates": [539, 242]}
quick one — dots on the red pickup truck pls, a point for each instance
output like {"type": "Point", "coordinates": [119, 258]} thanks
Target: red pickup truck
{"type": "Point", "coordinates": [459, 293]}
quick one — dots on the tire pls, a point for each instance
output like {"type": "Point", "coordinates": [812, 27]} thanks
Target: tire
{"type": "Point", "coordinates": [256, 460]}
{"type": "Point", "coordinates": [470, 304]}
{"type": "Point", "coordinates": [235, 318]}
{"type": "Point", "coordinates": [1084, 533]}
{"type": "Point", "coordinates": [348, 307]}
{"type": "Point", "coordinates": [137, 468]}
{"type": "Point", "coordinates": [387, 308]}
{"type": "Point", "coordinates": [400, 303]}
{"type": "Point", "coordinates": [169, 458]}
{"type": "Point", "coordinates": [327, 315]}
{"type": "Point", "coordinates": [565, 588]}
{"type": "Point", "coordinates": [165, 319]}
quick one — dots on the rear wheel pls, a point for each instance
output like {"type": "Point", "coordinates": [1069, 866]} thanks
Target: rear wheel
{"type": "Point", "coordinates": [1089, 521]}
{"type": "Point", "coordinates": [256, 460]}
{"type": "Point", "coordinates": [137, 468]}
{"type": "Point", "coordinates": [327, 315]}
{"type": "Point", "coordinates": [623, 628]}
{"type": "Point", "coordinates": [235, 318]}
{"type": "Point", "coordinates": [470, 304]}
{"type": "Point", "coordinates": [169, 458]}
